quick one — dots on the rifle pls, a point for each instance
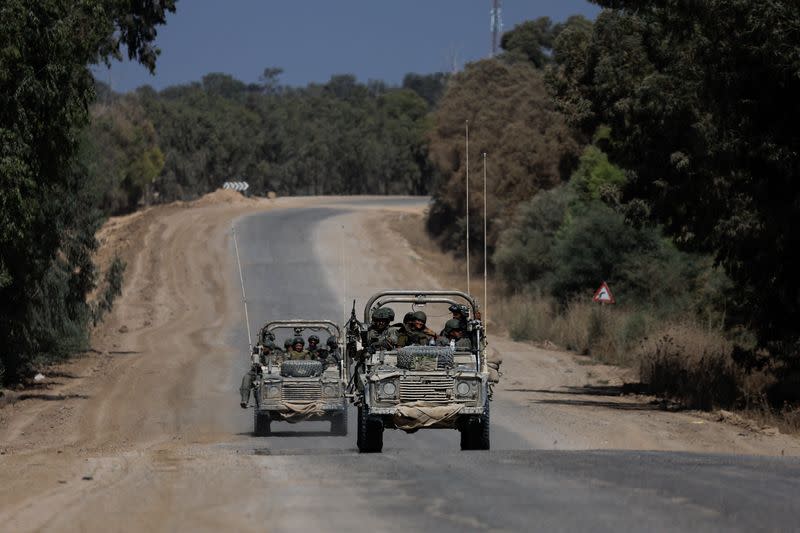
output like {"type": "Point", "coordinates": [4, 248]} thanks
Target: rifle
{"type": "Point", "coordinates": [355, 332]}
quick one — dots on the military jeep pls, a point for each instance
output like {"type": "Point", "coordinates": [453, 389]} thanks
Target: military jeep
{"type": "Point", "coordinates": [300, 390]}
{"type": "Point", "coordinates": [415, 387]}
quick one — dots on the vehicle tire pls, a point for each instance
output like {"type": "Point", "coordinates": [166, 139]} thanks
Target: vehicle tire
{"type": "Point", "coordinates": [261, 424]}
{"type": "Point", "coordinates": [339, 424]}
{"type": "Point", "coordinates": [302, 368]}
{"type": "Point", "coordinates": [409, 357]}
{"type": "Point", "coordinates": [370, 432]}
{"type": "Point", "coordinates": [476, 433]}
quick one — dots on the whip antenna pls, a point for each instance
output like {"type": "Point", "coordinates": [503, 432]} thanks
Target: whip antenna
{"type": "Point", "coordinates": [467, 201]}
{"type": "Point", "coordinates": [485, 248]}
{"type": "Point", "coordinates": [244, 297]}
{"type": "Point", "coordinates": [344, 274]}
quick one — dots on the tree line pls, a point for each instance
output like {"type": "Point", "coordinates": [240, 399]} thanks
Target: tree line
{"type": "Point", "coordinates": [339, 137]}
{"type": "Point", "coordinates": [654, 148]}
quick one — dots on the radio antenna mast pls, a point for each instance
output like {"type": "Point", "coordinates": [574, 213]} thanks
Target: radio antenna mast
{"type": "Point", "coordinates": [467, 201]}
{"type": "Point", "coordinates": [485, 249]}
{"type": "Point", "coordinates": [244, 297]}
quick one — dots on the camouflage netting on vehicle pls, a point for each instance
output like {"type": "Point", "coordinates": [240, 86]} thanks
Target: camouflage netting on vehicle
{"type": "Point", "coordinates": [417, 415]}
{"type": "Point", "coordinates": [425, 357]}
{"type": "Point", "coordinates": [298, 412]}
{"type": "Point", "coordinates": [493, 361]}
{"type": "Point", "coordinates": [302, 369]}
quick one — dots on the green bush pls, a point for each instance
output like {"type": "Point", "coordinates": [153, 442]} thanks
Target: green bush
{"type": "Point", "coordinates": [524, 250]}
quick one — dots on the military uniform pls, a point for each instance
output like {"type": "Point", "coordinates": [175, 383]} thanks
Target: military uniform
{"type": "Point", "coordinates": [294, 355]}
{"type": "Point", "coordinates": [462, 344]}
{"type": "Point", "coordinates": [382, 340]}
{"type": "Point", "coordinates": [250, 377]}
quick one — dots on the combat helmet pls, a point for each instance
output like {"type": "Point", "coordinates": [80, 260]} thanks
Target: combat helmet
{"type": "Point", "coordinates": [452, 324]}
{"type": "Point", "coordinates": [421, 316]}
{"type": "Point", "coordinates": [313, 338]}
{"type": "Point", "coordinates": [383, 313]}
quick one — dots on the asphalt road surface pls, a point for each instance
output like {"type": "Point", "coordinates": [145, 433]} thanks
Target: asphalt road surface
{"type": "Point", "coordinates": [146, 433]}
{"type": "Point", "coordinates": [423, 481]}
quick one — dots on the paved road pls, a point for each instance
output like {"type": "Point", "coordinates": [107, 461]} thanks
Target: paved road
{"type": "Point", "coordinates": [423, 482]}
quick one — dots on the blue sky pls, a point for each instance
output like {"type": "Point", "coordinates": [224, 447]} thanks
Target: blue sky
{"type": "Point", "coordinates": [313, 39]}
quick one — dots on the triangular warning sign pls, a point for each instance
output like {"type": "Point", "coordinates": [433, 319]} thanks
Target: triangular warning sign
{"type": "Point", "coordinates": [603, 295]}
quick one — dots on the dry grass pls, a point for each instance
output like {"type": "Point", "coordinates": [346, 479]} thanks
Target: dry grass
{"type": "Point", "coordinates": [693, 366]}
{"type": "Point", "coordinates": [675, 359]}
{"type": "Point", "coordinates": [605, 333]}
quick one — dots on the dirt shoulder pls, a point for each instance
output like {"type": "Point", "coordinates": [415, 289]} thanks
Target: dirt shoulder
{"type": "Point", "coordinates": [567, 401]}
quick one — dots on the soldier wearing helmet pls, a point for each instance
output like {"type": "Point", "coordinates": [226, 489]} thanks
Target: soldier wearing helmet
{"type": "Point", "coordinates": [420, 332]}
{"type": "Point", "coordinates": [268, 348]}
{"type": "Point", "coordinates": [379, 335]}
{"type": "Point", "coordinates": [333, 350]}
{"type": "Point", "coordinates": [314, 349]}
{"type": "Point", "coordinates": [404, 336]}
{"type": "Point", "coordinates": [454, 335]}
{"type": "Point", "coordinates": [297, 349]}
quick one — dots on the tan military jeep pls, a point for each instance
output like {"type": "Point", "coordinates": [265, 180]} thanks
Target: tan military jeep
{"type": "Point", "coordinates": [299, 390]}
{"type": "Point", "coordinates": [419, 387]}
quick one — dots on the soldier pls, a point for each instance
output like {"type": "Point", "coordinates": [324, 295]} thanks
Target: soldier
{"type": "Point", "coordinates": [249, 378]}
{"type": "Point", "coordinates": [297, 350]}
{"type": "Point", "coordinates": [454, 335]}
{"type": "Point", "coordinates": [333, 350]}
{"type": "Point", "coordinates": [287, 345]}
{"type": "Point", "coordinates": [314, 349]}
{"type": "Point", "coordinates": [420, 333]}
{"type": "Point", "coordinates": [404, 335]}
{"type": "Point", "coordinates": [380, 335]}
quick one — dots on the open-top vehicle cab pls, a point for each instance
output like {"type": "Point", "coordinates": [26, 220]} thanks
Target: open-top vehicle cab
{"type": "Point", "coordinates": [299, 390]}
{"type": "Point", "coordinates": [415, 387]}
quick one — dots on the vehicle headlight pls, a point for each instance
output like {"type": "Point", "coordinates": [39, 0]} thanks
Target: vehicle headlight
{"type": "Point", "coordinates": [463, 388]}
{"type": "Point", "coordinates": [329, 390]}
{"type": "Point", "coordinates": [389, 388]}
{"type": "Point", "coordinates": [273, 391]}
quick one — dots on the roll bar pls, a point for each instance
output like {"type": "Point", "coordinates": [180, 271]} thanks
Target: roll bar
{"type": "Point", "coordinates": [418, 297]}
{"type": "Point", "coordinates": [314, 325]}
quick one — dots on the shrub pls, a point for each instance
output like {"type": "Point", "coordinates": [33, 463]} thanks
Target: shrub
{"type": "Point", "coordinates": [524, 250]}
{"type": "Point", "coordinates": [692, 365]}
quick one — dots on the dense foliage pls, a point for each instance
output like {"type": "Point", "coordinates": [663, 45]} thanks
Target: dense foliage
{"type": "Point", "coordinates": [701, 102]}
{"type": "Point", "coordinates": [48, 211]}
{"type": "Point", "coordinates": [514, 120]}
{"type": "Point", "coordinates": [340, 137]}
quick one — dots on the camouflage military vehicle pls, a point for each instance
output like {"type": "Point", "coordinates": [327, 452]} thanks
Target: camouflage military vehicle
{"type": "Point", "coordinates": [416, 387]}
{"type": "Point", "coordinates": [300, 390]}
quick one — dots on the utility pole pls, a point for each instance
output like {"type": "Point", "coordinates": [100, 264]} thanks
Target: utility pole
{"type": "Point", "coordinates": [496, 24]}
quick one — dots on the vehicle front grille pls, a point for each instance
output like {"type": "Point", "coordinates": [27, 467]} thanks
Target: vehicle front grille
{"type": "Point", "coordinates": [429, 389]}
{"type": "Point", "coordinates": [301, 391]}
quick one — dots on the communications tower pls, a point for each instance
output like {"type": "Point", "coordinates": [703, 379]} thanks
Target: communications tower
{"type": "Point", "coordinates": [496, 24]}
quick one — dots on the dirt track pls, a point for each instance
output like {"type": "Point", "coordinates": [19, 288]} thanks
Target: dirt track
{"type": "Point", "coordinates": [151, 420]}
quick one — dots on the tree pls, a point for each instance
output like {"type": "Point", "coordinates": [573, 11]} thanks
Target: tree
{"type": "Point", "coordinates": [513, 119]}
{"type": "Point", "coordinates": [45, 91]}
{"type": "Point", "coordinates": [701, 101]}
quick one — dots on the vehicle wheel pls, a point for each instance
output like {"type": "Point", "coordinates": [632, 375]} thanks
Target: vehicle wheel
{"type": "Point", "coordinates": [339, 424]}
{"type": "Point", "coordinates": [370, 432]}
{"type": "Point", "coordinates": [475, 434]}
{"type": "Point", "coordinates": [261, 424]}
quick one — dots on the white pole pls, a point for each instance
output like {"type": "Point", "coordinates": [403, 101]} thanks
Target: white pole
{"type": "Point", "coordinates": [485, 249]}
{"type": "Point", "coordinates": [467, 204]}
{"type": "Point", "coordinates": [244, 297]}
{"type": "Point", "coordinates": [344, 275]}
